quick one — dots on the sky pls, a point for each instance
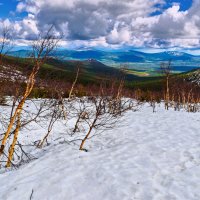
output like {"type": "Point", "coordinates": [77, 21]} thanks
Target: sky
{"type": "Point", "coordinates": [111, 24]}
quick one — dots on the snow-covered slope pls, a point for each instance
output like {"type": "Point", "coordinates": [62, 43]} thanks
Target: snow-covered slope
{"type": "Point", "coordinates": [195, 77]}
{"type": "Point", "coordinates": [8, 73]}
{"type": "Point", "coordinates": [151, 156]}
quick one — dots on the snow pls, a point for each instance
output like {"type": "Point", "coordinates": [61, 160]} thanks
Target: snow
{"type": "Point", "coordinates": [8, 73]}
{"type": "Point", "coordinates": [195, 77]}
{"type": "Point", "coordinates": [149, 156]}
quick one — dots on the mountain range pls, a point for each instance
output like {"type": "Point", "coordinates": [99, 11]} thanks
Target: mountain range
{"type": "Point", "coordinates": [136, 60]}
{"type": "Point", "coordinates": [117, 56]}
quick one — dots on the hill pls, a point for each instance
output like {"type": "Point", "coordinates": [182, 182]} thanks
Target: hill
{"type": "Point", "coordinates": [92, 72]}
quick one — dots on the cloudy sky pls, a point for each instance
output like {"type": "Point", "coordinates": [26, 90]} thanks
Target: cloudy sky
{"type": "Point", "coordinates": [148, 24]}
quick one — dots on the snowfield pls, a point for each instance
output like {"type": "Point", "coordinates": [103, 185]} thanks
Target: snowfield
{"type": "Point", "coordinates": [148, 156]}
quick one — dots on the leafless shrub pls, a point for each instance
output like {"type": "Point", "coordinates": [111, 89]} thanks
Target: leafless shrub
{"type": "Point", "coordinates": [54, 115]}
{"type": "Point", "coordinates": [5, 41]}
{"type": "Point", "coordinates": [166, 68]}
{"type": "Point", "coordinates": [103, 113]}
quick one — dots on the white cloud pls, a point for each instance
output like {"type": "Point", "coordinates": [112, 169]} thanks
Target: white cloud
{"type": "Point", "coordinates": [88, 19]}
{"type": "Point", "coordinates": [112, 22]}
{"type": "Point", "coordinates": [119, 35]}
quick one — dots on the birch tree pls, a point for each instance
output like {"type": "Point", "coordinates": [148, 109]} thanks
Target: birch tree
{"type": "Point", "coordinates": [42, 48]}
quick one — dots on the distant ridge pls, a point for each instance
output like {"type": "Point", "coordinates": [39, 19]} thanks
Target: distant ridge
{"type": "Point", "coordinates": [182, 62]}
{"type": "Point", "coordinates": [120, 56]}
